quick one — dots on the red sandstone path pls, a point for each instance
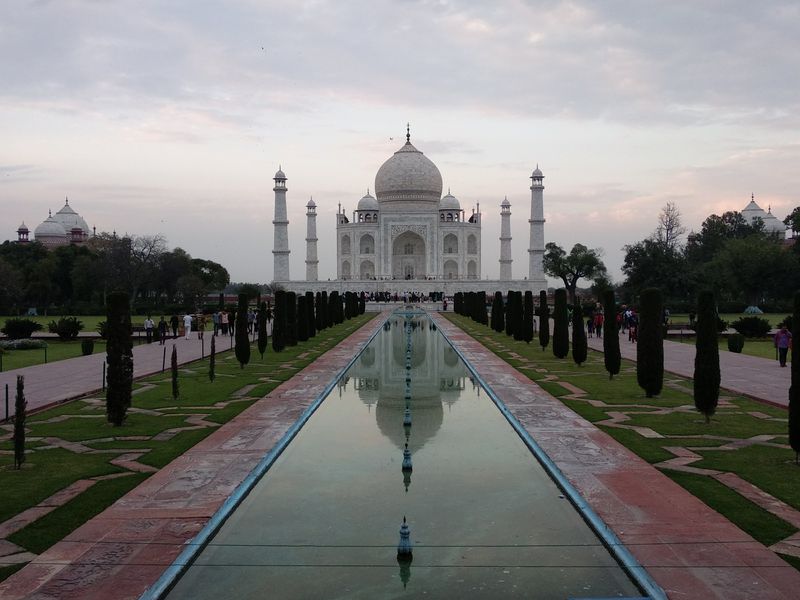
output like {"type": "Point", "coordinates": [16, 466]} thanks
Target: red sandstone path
{"type": "Point", "coordinates": [690, 550]}
{"type": "Point", "coordinates": [62, 380]}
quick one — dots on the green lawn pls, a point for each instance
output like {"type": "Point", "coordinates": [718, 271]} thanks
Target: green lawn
{"type": "Point", "coordinates": [764, 464]}
{"type": "Point", "coordinates": [773, 318]}
{"type": "Point", "coordinates": [49, 469]}
{"type": "Point", "coordinates": [56, 350]}
{"type": "Point", "coordinates": [763, 348]}
{"type": "Point", "coordinates": [90, 322]}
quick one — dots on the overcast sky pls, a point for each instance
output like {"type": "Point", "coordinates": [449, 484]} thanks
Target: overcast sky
{"type": "Point", "coordinates": [172, 117]}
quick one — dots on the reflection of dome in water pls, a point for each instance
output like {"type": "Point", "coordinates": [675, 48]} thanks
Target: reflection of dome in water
{"type": "Point", "coordinates": [450, 357]}
{"type": "Point", "coordinates": [426, 415]}
{"type": "Point", "coordinates": [419, 346]}
{"type": "Point", "coordinates": [368, 357]}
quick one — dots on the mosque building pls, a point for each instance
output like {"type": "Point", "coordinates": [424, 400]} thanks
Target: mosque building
{"type": "Point", "coordinates": [64, 227]}
{"type": "Point", "coordinates": [772, 224]}
{"type": "Point", "coordinates": [409, 237]}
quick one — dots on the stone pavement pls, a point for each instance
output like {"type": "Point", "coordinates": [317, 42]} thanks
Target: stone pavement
{"type": "Point", "coordinates": [758, 378]}
{"type": "Point", "coordinates": [63, 380]}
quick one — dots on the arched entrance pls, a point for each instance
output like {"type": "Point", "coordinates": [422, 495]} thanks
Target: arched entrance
{"type": "Point", "coordinates": [408, 256]}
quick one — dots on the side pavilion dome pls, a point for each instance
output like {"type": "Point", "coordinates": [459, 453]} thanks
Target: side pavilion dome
{"type": "Point", "coordinates": [408, 177]}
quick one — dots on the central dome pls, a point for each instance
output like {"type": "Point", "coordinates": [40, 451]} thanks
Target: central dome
{"type": "Point", "coordinates": [408, 176]}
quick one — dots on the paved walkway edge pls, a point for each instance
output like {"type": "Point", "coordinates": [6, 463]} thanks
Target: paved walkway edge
{"type": "Point", "coordinates": [615, 547]}
{"type": "Point", "coordinates": [187, 557]}
{"type": "Point", "coordinates": [690, 550]}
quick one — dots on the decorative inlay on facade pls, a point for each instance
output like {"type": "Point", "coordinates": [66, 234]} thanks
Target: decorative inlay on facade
{"type": "Point", "coordinates": [421, 230]}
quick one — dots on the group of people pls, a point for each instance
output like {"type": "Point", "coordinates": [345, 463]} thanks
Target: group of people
{"type": "Point", "coordinates": [162, 328]}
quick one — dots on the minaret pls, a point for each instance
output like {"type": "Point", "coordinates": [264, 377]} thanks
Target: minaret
{"type": "Point", "coordinates": [505, 240]}
{"type": "Point", "coordinates": [311, 241]}
{"type": "Point", "coordinates": [281, 223]}
{"type": "Point", "coordinates": [536, 247]}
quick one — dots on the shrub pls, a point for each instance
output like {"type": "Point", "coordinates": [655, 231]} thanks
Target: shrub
{"type": "Point", "coordinates": [102, 329]}
{"type": "Point", "coordinates": [23, 344]}
{"type": "Point", "coordinates": [560, 324]}
{"type": "Point", "coordinates": [735, 342]}
{"type": "Point", "coordinates": [611, 354]}
{"type": "Point", "coordinates": [173, 368]}
{"type": "Point", "coordinates": [87, 347]}
{"type": "Point", "coordinates": [212, 360]}
{"type": "Point", "coordinates": [706, 358]}
{"type": "Point", "coordinates": [67, 328]}
{"type": "Point", "coordinates": [650, 347]}
{"type": "Point", "coordinates": [17, 329]}
{"type": "Point", "coordinates": [20, 407]}
{"type": "Point", "coordinates": [751, 327]}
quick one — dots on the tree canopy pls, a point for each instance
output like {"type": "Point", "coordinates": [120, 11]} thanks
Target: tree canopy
{"type": "Point", "coordinates": [580, 263]}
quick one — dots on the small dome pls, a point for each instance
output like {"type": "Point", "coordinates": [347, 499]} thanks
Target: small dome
{"type": "Point", "coordinates": [279, 174]}
{"type": "Point", "coordinates": [70, 220]}
{"type": "Point", "coordinates": [50, 228]}
{"type": "Point", "coordinates": [537, 172]}
{"type": "Point", "coordinates": [23, 227]}
{"type": "Point", "coordinates": [311, 204]}
{"type": "Point", "coordinates": [368, 202]}
{"type": "Point", "coordinates": [449, 202]}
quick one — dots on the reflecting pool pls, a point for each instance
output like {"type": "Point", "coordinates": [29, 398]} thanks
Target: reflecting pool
{"type": "Point", "coordinates": [485, 520]}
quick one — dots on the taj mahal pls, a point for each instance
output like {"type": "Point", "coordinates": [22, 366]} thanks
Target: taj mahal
{"type": "Point", "coordinates": [409, 237]}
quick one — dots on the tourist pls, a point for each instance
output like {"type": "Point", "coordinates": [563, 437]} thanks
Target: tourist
{"type": "Point", "coordinates": [148, 329]}
{"type": "Point", "coordinates": [783, 341]}
{"type": "Point", "coordinates": [173, 322]}
{"type": "Point", "coordinates": [162, 331]}
{"type": "Point", "coordinates": [599, 319]}
{"type": "Point", "coordinates": [223, 322]}
{"type": "Point", "coordinates": [187, 325]}
{"type": "Point", "coordinates": [215, 320]}
{"type": "Point", "coordinates": [251, 320]}
{"type": "Point", "coordinates": [201, 326]}
{"type": "Point", "coordinates": [590, 326]}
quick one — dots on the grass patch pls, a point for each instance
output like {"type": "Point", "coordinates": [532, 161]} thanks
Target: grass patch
{"type": "Point", "coordinates": [56, 350]}
{"type": "Point", "coordinates": [43, 533]}
{"type": "Point", "coordinates": [6, 572]}
{"type": "Point", "coordinates": [755, 521]}
{"type": "Point", "coordinates": [165, 453]}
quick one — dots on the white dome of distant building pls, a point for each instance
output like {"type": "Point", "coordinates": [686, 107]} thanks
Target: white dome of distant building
{"type": "Point", "coordinates": [50, 233]}
{"type": "Point", "coordinates": [408, 176]}
{"type": "Point", "coordinates": [449, 202]}
{"type": "Point", "coordinates": [70, 220]}
{"type": "Point", "coordinates": [772, 224]}
{"type": "Point", "coordinates": [368, 202]}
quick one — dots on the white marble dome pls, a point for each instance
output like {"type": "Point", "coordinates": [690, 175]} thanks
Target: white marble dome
{"type": "Point", "coordinates": [368, 202]}
{"type": "Point", "coordinates": [50, 232]}
{"type": "Point", "coordinates": [408, 177]}
{"type": "Point", "coordinates": [449, 202]}
{"type": "Point", "coordinates": [772, 224]}
{"type": "Point", "coordinates": [69, 219]}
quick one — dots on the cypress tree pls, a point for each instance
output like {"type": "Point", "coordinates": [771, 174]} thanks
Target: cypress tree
{"type": "Point", "coordinates": [334, 307]}
{"type": "Point", "coordinates": [302, 319]}
{"type": "Point", "coordinates": [312, 320]}
{"type": "Point", "coordinates": [706, 357]}
{"type": "Point", "coordinates": [362, 303]}
{"type": "Point", "coordinates": [291, 319]}
{"type": "Point", "coordinates": [279, 322]}
{"type": "Point", "coordinates": [497, 312]}
{"type": "Point", "coordinates": [794, 388]}
{"type": "Point", "coordinates": [579, 344]}
{"type": "Point", "coordinates": [212, 360]}
{"type": "Point", "coordinates": [560, 324]}
{"type": "Point", "coordinates": [242, 344]}
{"type": "Point", "coordinates": [173, 368]}
{"type": "Point", "coordinates": [527, 317]}
{"type": "Point", "coordinates": [319, 312]}
{"type": "Point", "coordinates": [509, 324]}
{"type": "Point", "coordinates": [458, 299]}
{"type": "Point", "coordinates": [262, 329]}
{"type": "Point", "coordinates": [326, 316]}
{"type": "Point", "coordinates": [544, 320]}
{"type": "Point", "coordinates": [650, 346]}
{"type": "Point", "coordinates": [611, 354]}
{"type": "Point", "coordinates": [481, 308]}
{"type": "Point", "coordinates": [20, 412]}
{"type": "Point", "coordinates": [119, 356]}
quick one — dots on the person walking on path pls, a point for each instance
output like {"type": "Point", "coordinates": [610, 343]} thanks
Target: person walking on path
{"type": "Point", "coordinates": [187, 325]}
{"type": "Point", "coordinates": [148, 329]}
{"type": "Point", "coordinates": [783, 341]}
{"type": "Point", "coordinates": [201, 326]}
{"type": "Point", "coordinates": [162, 331]}
{"type": "Point", "coordinates": [223, 322]}
{"type": "Point", "coordinates": [215, 319]}
{"type": "Point", "coordinates": [173, 322]}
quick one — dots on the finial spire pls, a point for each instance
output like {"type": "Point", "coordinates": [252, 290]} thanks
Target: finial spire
{"type": "Point", "coordinates": [66, 200]}
{"type": "Point", "coordinates": [752, 197]}
{"type": "Point", "coordinates": [408, 133]}
{"type": "Point", "coordinates": [367, 190]}
{"type": "Point", "coordinates": [49, 213]}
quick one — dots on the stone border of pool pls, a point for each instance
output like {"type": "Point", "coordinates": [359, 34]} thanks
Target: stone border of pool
{"type": "Point", "coordinates": [689, 550]}
{"type": "Point", "coordinates": [126, 549]}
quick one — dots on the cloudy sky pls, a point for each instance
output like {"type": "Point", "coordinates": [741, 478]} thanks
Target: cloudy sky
{"type": "Point", "coordinates": [172, 117]}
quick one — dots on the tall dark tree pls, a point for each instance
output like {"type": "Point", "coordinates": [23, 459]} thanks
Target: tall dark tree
{"type": "Point", "coordinates": [519, 330]}
{"type": "Point", "coordinates": [706, 357]}
{"type": "Point", "coordinates": [480, 308]}
{"type": "Point", "coordinates": [319, 312]}
{"type": "Point", "coordinates": [212, 360]}
{"type": "Point", "coordinates": [581, 262]}
{"type": "Point", "coordinates": [312, 321]}
{"type": "Point", "coordinates": [611, 354]}
{"type": "Point", "coordinates": [527, 317]}
{"type": "Point", "coordinates": [579, 344]}
{"type": "Point", "coordinates": [279, 322]}
{"type": "Point", "coordinates": [291, 319]}
{"type": "Point", "coordinates": [497, 321]}
{"type": "Point", "coordinates": [262, 329]}
{"type": "Point", "coordinates": [509, 324]}
{"type": "Point", "coordinates": [326, 311]}
{"type": "Point", "coordinates": [119, 356]}
{"type": "Point", "coordinates": [794, 388]}
{"type": "Point", "coordinates": [173, 364]}
{"type": "Point", "coordinates": [650, 345]}
{"type": "Point", "coordinates": [560, 324]}
{"type": "Point", "coordinates": [362, 303]}
{"type": "Point", "coordinates": [20, 412]}
{"type": "Point", "coordinates": [302, 319]}
{"type": "Point", "coordinates": [242, 345]}
{"type": "Point", "coordinates": [544, 320]}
